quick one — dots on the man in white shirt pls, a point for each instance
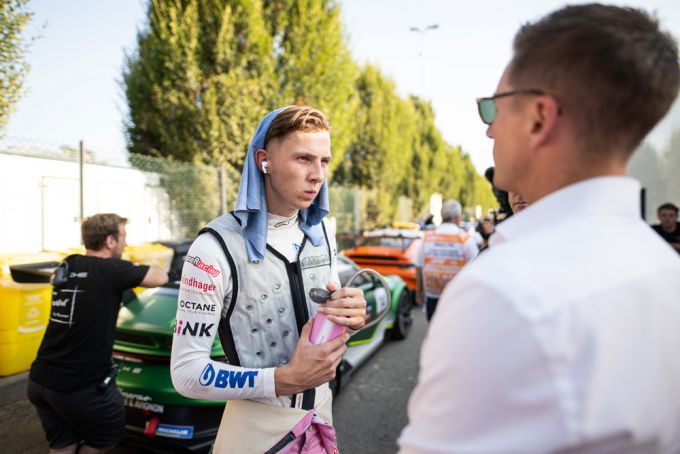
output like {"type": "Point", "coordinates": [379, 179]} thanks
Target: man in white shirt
{"type": "Point", "coordinates": [442, 254]}
{"type": "Point", "coordinates": [564, 335]}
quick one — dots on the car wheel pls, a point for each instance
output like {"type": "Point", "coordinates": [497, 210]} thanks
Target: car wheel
{"type": "Point", "coordinates": [404, 321]}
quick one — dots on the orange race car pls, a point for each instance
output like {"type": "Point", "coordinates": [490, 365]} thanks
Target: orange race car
{"type": "Point", "coordinates": [389, 251]}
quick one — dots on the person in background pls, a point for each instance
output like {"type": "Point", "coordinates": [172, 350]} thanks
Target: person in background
{"type": "Point", "coordinates": [72, 381]}
{"type": "Point", "coordinates": [563, 337]}
{"type": "Point", "coordinates": [442, 254]}
{"type": "Point", "coordinates": [668, 227]}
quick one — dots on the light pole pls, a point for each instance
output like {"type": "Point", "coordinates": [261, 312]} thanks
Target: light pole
{"type": "Point", "coordinates": [422, 32]}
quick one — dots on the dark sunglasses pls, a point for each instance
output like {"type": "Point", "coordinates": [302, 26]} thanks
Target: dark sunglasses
{"type": "Point", "coordinates": [487, 106]}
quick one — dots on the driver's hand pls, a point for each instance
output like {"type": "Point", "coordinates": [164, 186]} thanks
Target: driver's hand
{"type": "Point", "coordinates": [346, 306]}
{"type": "Point", "coordinates": [311, 365]}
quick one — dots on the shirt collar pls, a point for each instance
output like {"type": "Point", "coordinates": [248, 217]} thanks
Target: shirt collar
{"type": "Point", "coordinates": [610, 194]}
{"type": "Point", "coordinates": [275, 221]}
{"type": "Point", "coordinates": [449, 225]}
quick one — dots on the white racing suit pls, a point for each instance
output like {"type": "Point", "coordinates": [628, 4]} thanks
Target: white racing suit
{"type": "Point", "coordinates": [258, 310]}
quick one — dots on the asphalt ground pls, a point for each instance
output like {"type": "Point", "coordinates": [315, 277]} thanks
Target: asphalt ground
{"type": "Point", "coordinates": [369, 413]}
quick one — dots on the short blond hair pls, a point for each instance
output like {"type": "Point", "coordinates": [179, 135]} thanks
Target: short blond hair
{"type": "Point", "coordinates": [297, 118]}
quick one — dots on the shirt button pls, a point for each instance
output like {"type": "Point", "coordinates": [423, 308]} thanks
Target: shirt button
{"type": "Point", "coordinates": [249, 307]}
{"type": "Point", "coordinates": [254, 330]}
{"type": "Point", "coordinates": [263, 297]}
{"type": "Point", "coordinates": [269, 321]}
{"type": "Point", "coordinates": [258, 353]}
{"type": "Point", "coordinates": [256, 262]}
{"type": "Point", "coordinates": [282, 310]}
{"type": "Point", "coordinates": [311, 276]}
{"type": "Point", "coordinates": [277, 286]}
{"type": "Point", "coordinates": [273, 344]}
{"type": "Point", "coordinates": [285, 333]}
{"type": "Point", "coordinates": [283, 361]}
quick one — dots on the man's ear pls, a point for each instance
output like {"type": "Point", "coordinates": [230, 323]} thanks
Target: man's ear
{"type": "Point", "coordinates": [110, 242]}
{"type": "Point", "coordinates": [544, 114]}
{"type": "Point", "coordinates": [260, 155]}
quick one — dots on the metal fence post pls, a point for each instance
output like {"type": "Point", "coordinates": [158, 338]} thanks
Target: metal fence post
{"type": "Point", "coordinates": [223, 181]}
{"type": "Point", "coordinates": [357, 210]}
{"type": "Point", "coordinates": [81, 163]}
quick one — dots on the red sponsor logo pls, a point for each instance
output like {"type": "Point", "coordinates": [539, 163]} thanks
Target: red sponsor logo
{"type": "Point", "coordinates": [201, 265]}
{"type": "Point", "coordinates": [195, 283]}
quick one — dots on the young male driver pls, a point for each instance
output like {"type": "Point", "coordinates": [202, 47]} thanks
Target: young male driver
{"type": "Point", "coordinates": [248, 276]}
{"type": "Point", "coordinates": [563, 337]}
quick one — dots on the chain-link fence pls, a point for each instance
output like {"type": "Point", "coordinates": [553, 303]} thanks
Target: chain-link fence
{"type": "Point", "coordinates": [197, 193]}
{"type": "Point", "coordinates": [49, 189]}
{"type": "Point", "coordinates": [164, 199]}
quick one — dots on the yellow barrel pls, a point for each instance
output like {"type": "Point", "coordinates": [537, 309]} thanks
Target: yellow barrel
{"type": "Point", "coordinates": [25, 311]}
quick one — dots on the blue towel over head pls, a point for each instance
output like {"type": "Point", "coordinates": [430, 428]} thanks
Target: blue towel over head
{"type": "Point", "coordinates": [251, 204]}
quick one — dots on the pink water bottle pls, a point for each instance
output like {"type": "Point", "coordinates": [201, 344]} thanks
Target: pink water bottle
{"type": "Point", "coordinates": [323, 330]}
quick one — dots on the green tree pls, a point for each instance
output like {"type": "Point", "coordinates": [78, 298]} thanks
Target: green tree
{"type": "Point", "coordinates": [14, 17]}
{"type": "Point", "coordinates": [438, 167]}
{"type": "Point", "coordinates": [199, 81]}
{"type": "Point", "coordinates": [313, 63]}
{"type": "Point", "coordinates": [378, 156]}
{"type": "Point", "coordinates": [398, 151]}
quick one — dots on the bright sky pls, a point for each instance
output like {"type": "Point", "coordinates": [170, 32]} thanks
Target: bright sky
{"type": "Point", "coordinates": [74, 90]}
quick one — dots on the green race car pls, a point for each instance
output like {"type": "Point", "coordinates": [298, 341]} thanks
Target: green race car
{"type": "Point", "coordinates": [159, 418]}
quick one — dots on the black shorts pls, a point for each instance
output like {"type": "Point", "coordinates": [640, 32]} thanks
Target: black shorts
{"type": "Point", "coordinates": [97, 418]}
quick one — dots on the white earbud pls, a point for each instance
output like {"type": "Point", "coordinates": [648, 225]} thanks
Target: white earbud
{"type": "Point", "coordinates": [264, 166]}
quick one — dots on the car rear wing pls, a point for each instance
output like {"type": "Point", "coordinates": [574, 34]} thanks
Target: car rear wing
{"type": "Point", "coordinates": [33, 273]}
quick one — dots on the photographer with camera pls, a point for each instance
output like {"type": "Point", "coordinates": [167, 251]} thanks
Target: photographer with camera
{"type": "Point", "coordinates": [509, 202]}
{"type": "Point", "coordinates": [71, 380]}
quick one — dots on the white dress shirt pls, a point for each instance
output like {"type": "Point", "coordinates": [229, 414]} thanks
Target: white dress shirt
{"type": "Point", "coordinates": [563, 337]}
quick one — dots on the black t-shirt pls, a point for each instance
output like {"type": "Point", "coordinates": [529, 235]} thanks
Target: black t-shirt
{"type": "Point", "coordinates": [671, 237]}
{"type": "Point", "coordinates": [76, 349]}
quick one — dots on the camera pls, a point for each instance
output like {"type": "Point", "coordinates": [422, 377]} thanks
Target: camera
{"type": "Point", "coordinates": [504, 210]}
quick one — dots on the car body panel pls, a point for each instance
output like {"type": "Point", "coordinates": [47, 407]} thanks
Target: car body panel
{"type": "Point", "coordinates": [389, 251]}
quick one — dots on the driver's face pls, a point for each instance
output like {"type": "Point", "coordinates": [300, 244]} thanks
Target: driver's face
{"type": "Point", "coordinates": [297, 167]}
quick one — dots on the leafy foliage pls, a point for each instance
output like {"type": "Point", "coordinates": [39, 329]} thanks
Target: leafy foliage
{"type": "Point", "coordinates": [14, 17]}
{"type": "Point", "coordinates": [206, 71]}
{"type": "Point", "coordinates": [201, 77]}
{"type": "Point", "coordinates": [313, 64]}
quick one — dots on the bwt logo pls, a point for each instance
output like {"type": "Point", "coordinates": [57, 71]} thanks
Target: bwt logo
{"type": "Point", "coordinates": [227, 378]}
{"type": "Point", "coordinates": [201, 265]}
{"type": "Point", "coordinates": [192, 329]}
